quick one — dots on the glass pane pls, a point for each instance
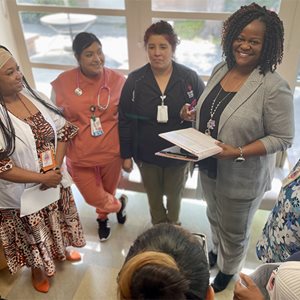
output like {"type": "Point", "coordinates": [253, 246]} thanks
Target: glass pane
{"type": "Point", "coordinates": [42, 79]}
{"type": "Point", "coordinates": [108, 4]}
{"type": "Point", "coordinates": [209, 6]}
{"type": "Point", "coordinates": [295, 149]}
{"type": "Point", "coordinates": [49, 37]}
{"type": "Point", "coordinates": [199, 46]}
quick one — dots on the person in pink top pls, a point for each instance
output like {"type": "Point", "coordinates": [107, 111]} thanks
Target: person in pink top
{"type": "Point", "coordinates": [89, 97]}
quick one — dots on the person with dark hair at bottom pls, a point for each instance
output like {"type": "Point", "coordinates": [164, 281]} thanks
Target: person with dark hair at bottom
{"type": "Point", "coordinates": [165, 262]}
{"type": "Point", "coordinates": [150, 104]}
{"type": "Point", "coordinates": [89, 97]}
{"type": "Point", "coordinates": [33, 140]}
{"type": "Point", "coordinates": [248, 107]}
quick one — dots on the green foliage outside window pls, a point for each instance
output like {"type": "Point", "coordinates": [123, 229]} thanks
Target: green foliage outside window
{"type": "Point", "coordinates": [188, 29]}
{"type": "Point", "coordinates": [233, 5]}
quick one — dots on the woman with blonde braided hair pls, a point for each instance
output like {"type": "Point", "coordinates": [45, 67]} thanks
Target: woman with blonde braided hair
{"type": "Point", "coordinates": [165, 262]}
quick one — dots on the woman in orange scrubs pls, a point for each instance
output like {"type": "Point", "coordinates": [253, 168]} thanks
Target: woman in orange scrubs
{"type": "Point", "coordinates": [89, 97]}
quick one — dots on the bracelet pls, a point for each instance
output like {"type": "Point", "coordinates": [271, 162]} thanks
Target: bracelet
{"type": "Point", "coordinates": [240, 158]}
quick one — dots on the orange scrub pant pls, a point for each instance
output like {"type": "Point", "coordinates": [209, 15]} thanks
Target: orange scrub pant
{"type": "Point", "coordinates": [98, 185]}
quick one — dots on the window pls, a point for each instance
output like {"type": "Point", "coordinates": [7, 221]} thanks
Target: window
{"type": "Point", "coordinates": [109, 4]}
{"type": "Point", "coordinates": [49, 37]}
{"type": "Point", "coordinates": [209, 6]}
{"type": "Point", "coordinates": [120, 26]}
{"type": "Point", "coordinates": [43, 77]}
{"type": "Point", "coordinates": [295, 149]}
{"type": "Point", "coordinates": [200, 44]}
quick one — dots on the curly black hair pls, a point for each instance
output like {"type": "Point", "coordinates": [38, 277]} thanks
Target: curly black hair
{"type": "Point", "coordinates": [272, 50]}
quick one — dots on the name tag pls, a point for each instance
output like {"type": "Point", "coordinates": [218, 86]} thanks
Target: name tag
{"type": "Point", "coordinates": [96, 127]}
{"type": "Point", "coordinates": [48, 160]}
{"type": "Point", "coordinates": [162, 114]}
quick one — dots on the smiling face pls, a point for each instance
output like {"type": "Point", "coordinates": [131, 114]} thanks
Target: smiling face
{"type": "Point", "coordinates": [248, 45]}
{"type": "Point", "coordinates": [10, 78]}
{"type": "Point", "coordinates": [91, 60]}
{"type": "Point", "coordinates": [160, 52]}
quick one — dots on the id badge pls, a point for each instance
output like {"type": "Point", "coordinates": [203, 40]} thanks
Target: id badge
{"type": "Point", "coordinates": [162, 114]}
{"type": "Point", "coordinates": [96, 128]}
{"type": "Point", "coordinates": [48, 160]}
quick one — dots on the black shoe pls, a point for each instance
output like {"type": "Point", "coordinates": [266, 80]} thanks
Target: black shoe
{"type": "Point", "coordinates": [212, 258]}
{"type": "Point", "coordinates": [221, 281]}
{"type": "Point", "coordinates": [103, 230]}
{"type": "Point", "coordinates": [121, 215]}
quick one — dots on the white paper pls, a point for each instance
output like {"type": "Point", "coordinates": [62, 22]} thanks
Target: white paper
{"type": "Point", "coordinates": [193, 141]}
{"type": "Point", "coordinates": [33, 199]}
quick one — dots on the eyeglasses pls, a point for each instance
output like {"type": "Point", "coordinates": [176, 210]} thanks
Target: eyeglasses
{"type": "Point", "coordinates": [203, 241]}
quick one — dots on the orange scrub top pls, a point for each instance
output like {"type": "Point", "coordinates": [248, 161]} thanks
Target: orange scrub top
{"type": "Point", "coordinates": [85, 150]}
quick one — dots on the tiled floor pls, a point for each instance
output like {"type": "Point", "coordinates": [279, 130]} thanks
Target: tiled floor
{"type": "Point", "coordinates": [95, 276]}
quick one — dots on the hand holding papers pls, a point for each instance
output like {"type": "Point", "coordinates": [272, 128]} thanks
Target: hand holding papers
{"type": "Point", "coordinates": [197, 144]}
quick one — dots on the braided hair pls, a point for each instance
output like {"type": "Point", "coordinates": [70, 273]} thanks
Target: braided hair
{"type": "Point", "coordinates": [6, 126]}
{"type": "Point", "coordinates": [272, 51]}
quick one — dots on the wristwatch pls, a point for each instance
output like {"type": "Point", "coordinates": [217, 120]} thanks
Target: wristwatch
{"type": "Point", "coordinates": [240, 158]}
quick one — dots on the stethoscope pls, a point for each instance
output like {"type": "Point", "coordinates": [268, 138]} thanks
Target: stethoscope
{"type": "Point", "coordinates": [78, 91]}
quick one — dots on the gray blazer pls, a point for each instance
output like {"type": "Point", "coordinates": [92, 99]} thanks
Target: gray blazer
{"type": "Point", "coordinates": [261, 110]}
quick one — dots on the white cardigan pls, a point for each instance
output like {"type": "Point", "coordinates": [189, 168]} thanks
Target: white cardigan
{"type": "Point", "coordinates": [25, 154]}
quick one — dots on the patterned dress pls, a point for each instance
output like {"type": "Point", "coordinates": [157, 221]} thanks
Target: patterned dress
{"type": "Point", "coordinates": [40, 238]}
{"type": "Point", "coordinates": [281, 234]}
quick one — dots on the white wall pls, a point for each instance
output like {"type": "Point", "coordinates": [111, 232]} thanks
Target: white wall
{"type": "Point", "coordinates": [6, 34]}
{"type": "Point", "coordinates": [290, 15]}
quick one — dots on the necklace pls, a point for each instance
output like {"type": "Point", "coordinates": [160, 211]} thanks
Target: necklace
{"type": "Point", "coordinates": [28, 110]}
{"type": "Point", "coordinates": [28, 120]}
{"type": "Point", "coordinates": [211, 124]}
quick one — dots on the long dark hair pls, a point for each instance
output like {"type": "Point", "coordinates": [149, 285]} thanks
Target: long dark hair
{"type": "Point", "coordinates": [165, 262]}
{"type": "Point", "coordinates": [7, 128]}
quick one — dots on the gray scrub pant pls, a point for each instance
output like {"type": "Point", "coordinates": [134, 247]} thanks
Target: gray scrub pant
{"type": "Point", "coordinates": [168, 181]}
{"type": "Point", "coordinates": [230, 221]}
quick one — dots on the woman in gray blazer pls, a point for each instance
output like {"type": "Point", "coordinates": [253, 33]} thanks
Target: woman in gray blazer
{"type": "Point", "coordinates": [248, 107]}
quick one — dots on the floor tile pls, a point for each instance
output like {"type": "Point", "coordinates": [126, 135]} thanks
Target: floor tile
{"type": "Point", "coordinates": [95, 276]}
